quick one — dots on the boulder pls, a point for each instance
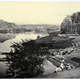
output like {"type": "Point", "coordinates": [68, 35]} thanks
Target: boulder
{"type": "Point", "coordinates": [48, 68]}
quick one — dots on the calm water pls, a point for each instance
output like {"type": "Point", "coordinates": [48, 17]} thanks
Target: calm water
{"type": "Point", "coordinates": [5, 46]}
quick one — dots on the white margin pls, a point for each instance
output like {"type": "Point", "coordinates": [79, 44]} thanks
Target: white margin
{"type": "Point", "coordinates": [45, 0]}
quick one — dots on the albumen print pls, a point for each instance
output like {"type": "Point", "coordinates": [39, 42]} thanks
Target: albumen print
{"type": "Point", "coordinates": [39, 39]}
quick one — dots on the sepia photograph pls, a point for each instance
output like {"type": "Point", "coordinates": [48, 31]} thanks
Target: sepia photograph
{"type": "Point", "coordinates": [39, 40]}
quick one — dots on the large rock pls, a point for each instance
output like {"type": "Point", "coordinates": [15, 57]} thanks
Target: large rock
{"type": "Point", "coordinates": [71, 24]}
{"type": "Point", "coordinates": [48, 68]}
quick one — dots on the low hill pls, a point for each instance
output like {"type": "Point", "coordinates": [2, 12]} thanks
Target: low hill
{"type": "Point", "coordinates": [6, 27]}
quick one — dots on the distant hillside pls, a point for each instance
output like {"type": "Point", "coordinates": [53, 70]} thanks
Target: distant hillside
{"type": "Point", "coordinates": [4, 24]}
{"type": "Point", "coordinates": [6, 27]}
{"type": "Point", "coordinates": [71, 24]}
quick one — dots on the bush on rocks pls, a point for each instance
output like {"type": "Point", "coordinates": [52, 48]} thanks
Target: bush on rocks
{"type": "Point", "coordinates": [26, 60]}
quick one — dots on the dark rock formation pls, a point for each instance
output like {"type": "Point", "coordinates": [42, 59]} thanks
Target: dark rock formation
{"type": "Point", "coordinates": [71, 24]}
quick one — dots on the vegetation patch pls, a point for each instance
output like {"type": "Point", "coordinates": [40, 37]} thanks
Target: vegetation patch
{"type": "Point", "coordinates": [26, 60]}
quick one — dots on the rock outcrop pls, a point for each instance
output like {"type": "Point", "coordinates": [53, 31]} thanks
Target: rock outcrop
{"type": "Point", "coordinates": [71, 24]}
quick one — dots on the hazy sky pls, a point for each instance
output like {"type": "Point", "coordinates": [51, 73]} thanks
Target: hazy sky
{"type": "Point", "coordinates": [24, 12]}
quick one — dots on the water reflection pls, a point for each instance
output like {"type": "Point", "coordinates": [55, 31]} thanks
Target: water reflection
{"type": "Point", "coordinates": [5, 46]}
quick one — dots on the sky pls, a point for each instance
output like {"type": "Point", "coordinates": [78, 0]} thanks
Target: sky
{"type": "Point", "coordinates": [37, 12]}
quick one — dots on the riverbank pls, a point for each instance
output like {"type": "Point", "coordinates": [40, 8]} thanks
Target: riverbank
{"type": "Point", "coordinates": [69, 74]}
{"type": "Point", "coordinates": [66, 74]}
{"type": "Point", "coordinates": [52, 44]}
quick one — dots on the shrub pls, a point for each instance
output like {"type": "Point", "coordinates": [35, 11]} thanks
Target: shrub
{"type": "Point", "coordinates": [26, 60]}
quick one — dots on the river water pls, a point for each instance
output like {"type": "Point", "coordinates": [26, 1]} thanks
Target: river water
{"type": "Point", "coordinates": [5, 46]}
